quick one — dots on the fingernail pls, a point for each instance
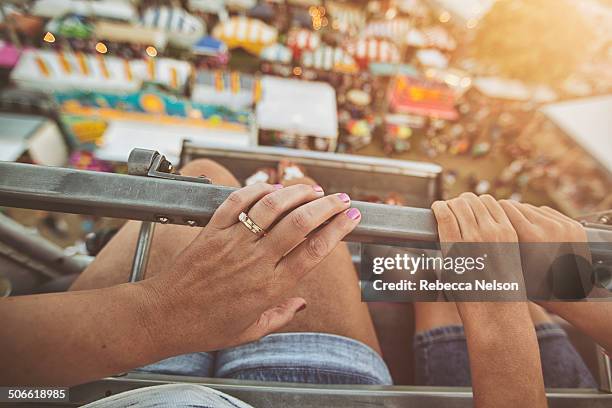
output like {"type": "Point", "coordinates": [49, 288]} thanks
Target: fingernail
{"type": "Point", "coordinates": [353, 213]}
{"type": "Point", "coordinates": [344, 197]}
{"type": "Point", "coordinates": [318, 189]}
{"type": "Point", "coordinates": [299, 309]}
{"type": "Point", "coordinates": [278, 186]}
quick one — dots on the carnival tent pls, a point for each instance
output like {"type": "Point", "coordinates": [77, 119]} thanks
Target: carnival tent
{"type": "Point", "coordinates": [183, 29]}
{"type": "Point", "coordinates": [209, 46]}
{"type": "Point", "coordinates": [48, 70]}
{"type": "Point", "coordinates": [438, 37]}
{"type": "Point", "coordinates": [415, 96]}
{"type": "Point", "coordinates": [588, 122]}
{"type": "Point", "coordinates": [302, 39]}
{"type": "Point", "coordinates": [385, 69]}
{"type": "Point", "coordinates": [298, 107]}
{"type": "Point", "coordinates": [231, 89]}
{"type": "Point", "coordinates": [432, 58]}
{"type": "Point", "coordinates": [415, 38]}
{"type": "Point", "coordinates": [345, 17]}
{"type": "Point", "coordinates": [366, 50]}
{"type": "Point", "coordinates": [133, 34]}
{"type": "Point", "coordinates": [252, 35]}
{"type": "Point", "coordinates": [111, 9]}
{"type": "Point", "coordinates": [276, 53]}
{"type": "Point", "coordinates": [395, 30]}
{"type": "Point", "coordinates": [510, 89]}
{"type": "Point", "coordinates": [9, 55]}
{"type": "Point", "coordinates": [329, 58]}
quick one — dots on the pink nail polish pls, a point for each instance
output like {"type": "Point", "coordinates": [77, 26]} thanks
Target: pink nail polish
{"type": "Point", "coordinates": [318, 189]}
{"type": "Point", "coordinates": [344, 197]}
{"type": "Point", "coordinates": [278, 186]}
{"type": "Point", "coordinates": [353, 213]}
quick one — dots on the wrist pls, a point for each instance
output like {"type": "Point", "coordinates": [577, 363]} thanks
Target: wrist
{"type": "Point", "coordinates": [492, 323]}
{"type": "Point", "coordinates": [151, 316]}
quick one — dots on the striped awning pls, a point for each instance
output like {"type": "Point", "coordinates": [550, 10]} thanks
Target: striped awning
{"type": "Point", "coordinates": [395, 30]}
{"type": "Point", "coordinates": [276, 53]}
{"type": "Point", "coordinates": [329, 59]}
{"type": "Point", "coordinates": [366, 50]}
{"type": "Point", "coordinates": [302, 39]}
{"type": "Point", "coordinates": [346, 18]}
{"type": "Point", "coordinates": [173, 19]}
{"type": "Point", "coordinates": [250, 34]}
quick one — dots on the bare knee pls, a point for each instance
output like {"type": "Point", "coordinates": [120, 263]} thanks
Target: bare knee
{"type": "Point", "coordinates": [213, 170]}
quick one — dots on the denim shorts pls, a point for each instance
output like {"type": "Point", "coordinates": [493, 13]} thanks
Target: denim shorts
{"type": "Point", "coordinates": [316, 358]}
{"type": "Point", "coordinates": [441, 358]}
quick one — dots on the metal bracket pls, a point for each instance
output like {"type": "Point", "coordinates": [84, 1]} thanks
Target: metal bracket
{"type": "Point", "coordinates": [150, 163]}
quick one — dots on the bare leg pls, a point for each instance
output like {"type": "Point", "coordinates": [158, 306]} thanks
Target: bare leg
{"type": "Point", "coordinates": [113, 264]}
{"type": "Point", "coordinates": [331, 290]}
{"type": "Point", "coordinates": [333, 296]}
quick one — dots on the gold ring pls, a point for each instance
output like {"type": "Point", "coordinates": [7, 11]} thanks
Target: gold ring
{"type": "Point", "coordinates": [254, 228]}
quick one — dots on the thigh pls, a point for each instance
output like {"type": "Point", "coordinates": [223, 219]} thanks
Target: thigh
{"type": "Point", "coordinates": [113, 264]}
{"type": "Point", "coordinates": [333, 298]}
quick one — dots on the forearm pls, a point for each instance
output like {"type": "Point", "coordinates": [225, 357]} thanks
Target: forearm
{"type": "Point", "coordinates": [504, 355]}
{"type": "Point", "coordinates": [70, 338]}
{"type": "Point", "coordinates": [593, 318]}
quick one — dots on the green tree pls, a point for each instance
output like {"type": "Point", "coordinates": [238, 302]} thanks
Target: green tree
{"type": "Point", "coordinates": [539, 41]}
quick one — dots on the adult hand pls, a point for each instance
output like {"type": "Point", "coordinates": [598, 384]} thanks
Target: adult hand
{"type": "Point", "coordinates": [230, 285]}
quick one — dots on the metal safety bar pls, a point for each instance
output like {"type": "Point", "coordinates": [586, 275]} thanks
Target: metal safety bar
{"type": "Point", "coordinates": [174, 201]}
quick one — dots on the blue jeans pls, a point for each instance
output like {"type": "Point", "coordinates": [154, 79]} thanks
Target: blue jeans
{"type": "Point", "coordinates": [315, 358]}
{"type": "Point", "coordinates": [441, 358]}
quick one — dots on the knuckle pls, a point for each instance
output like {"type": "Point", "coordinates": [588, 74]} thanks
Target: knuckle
{"type": "Point", "coordinates": [438, 206]}
{"type": "Point", "coordinates": [305, 188]}
{"type": "Point", "coordinates": [299, 219]}
{"type": "Point", "coordinates": [272, 203]}
{"type": "Point", "coordinates": [235, 197]}
{"type": "Point", "coordinates": [444, 217]}
{"type": "Point", "coordinates": [316, 248]}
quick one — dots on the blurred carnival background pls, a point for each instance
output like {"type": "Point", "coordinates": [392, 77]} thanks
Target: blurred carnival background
{"type": "Point", "coordinates": [511, 98]}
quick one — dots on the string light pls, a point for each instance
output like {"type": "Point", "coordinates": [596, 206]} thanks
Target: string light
{"type": "Point", "coordinates": [444, 17]}
{"type": "Point", "coordinates": [101, 48]}
{"type": "Point", "coordinates": [318, 19]}
{"type": "Point", "coordinates": [391, 13]}
{"type": "Point", "coordinates": [297, 71]}
{"type": "Point", "coordinates": [471, 23]}
{"type": "Point", "coordinates": [151, 51]}
{"type": "Point", "coordinates": [49, 37]}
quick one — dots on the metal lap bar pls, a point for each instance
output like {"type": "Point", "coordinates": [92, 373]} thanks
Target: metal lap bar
{"type": "Point", "coordinates": [173, 201]}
